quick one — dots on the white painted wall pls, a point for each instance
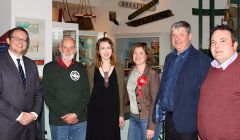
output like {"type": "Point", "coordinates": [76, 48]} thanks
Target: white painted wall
{"type": "Point", "coordinates": [182, 10]}
{"type": "Point", "coordinates": [5, 17]}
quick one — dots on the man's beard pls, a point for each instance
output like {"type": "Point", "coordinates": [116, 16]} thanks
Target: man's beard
{"type": "Point", "coordinates": [68, 57]}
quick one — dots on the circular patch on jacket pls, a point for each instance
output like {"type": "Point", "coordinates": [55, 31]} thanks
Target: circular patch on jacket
{"type": "Point", "coordinates": [74, 75]}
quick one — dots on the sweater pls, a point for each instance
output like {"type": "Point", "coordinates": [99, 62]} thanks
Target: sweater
{"type": "Point", "coordinates": [65, 91]}
{"type": "Point", "coordinates": [218, 116]}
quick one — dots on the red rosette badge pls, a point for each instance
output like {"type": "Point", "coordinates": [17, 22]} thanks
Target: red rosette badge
{"type": "Point", "coordinates": [141, 81]}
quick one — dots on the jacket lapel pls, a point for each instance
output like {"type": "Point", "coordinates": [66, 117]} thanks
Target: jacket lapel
{"type": "Point", "coordinates": [13, 68]}
{"type": "Point", "coordinates": [145, 73]}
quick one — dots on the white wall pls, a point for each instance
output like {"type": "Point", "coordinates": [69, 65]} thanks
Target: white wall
{"type": "Point", "coordinates": [5, 17]}
{"type": "Point", "coordinates": [182, 10]}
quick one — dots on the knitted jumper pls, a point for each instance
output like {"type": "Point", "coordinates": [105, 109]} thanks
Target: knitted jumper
{"type": "Point", "coordinates": [65, 91]}
{"type": "Point", "coordinates": [218, 115]}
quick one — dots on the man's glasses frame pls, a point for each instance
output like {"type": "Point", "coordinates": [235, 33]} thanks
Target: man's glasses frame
{"type": "Point", "coordinates": [17, 39]}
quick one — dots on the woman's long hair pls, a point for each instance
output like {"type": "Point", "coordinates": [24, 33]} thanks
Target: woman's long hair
{"type": "Point", "coordinates": [98, 59]}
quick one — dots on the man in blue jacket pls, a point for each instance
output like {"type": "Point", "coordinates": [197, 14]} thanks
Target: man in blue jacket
{"type": "Point", "coordinates": [183, 73]}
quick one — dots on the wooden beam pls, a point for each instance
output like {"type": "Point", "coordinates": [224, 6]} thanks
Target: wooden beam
{"type": "Point", "coordinates": [142, 9]}
{"type": "Point", "coordinates": [206, 12]}
{"type": "Point", "coordinates": [150, 18]}
{"type": "Point", "coordinates": [234, 1]}
{"type": "Point", "coordinates": [134, 5]}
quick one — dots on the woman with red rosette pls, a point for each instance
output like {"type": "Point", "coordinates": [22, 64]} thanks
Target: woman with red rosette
{"type": "Point", "coordinates": [142, 86]}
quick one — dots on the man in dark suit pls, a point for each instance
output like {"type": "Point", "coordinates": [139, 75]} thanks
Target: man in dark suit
{"type": "Point", "coordinates": [20, 90]}
{"type": "Point", "coordinates": [183, 73]}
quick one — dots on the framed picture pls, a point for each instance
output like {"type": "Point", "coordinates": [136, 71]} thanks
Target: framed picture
{"type": "Point", "coordinates": [125, 43]}
{"type": "Point", "coordinates": [154, 49]}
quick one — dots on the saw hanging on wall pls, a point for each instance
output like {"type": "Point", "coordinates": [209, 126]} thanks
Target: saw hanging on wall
{"type": "Point", "coordinates": [134, 5]}
{"type": "Point", "coordinates": [142, 9]}
{"type": "Point", "coordinates": [150, 18]}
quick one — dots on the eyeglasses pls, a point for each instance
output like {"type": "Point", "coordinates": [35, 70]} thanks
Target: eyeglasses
{"type": "Point", "coordinates": [17, 39]}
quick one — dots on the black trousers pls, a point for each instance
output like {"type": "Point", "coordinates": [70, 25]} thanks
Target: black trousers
{"type": "Point", "coordinates": [23, 134]}
{"type": "Point", "coordinates": [172, 134]}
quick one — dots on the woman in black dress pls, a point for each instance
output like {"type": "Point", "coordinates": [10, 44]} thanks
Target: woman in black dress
{"type": "Point", "coordinates": [105, 108]}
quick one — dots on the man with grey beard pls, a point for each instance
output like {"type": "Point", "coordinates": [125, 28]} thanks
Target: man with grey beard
{"type": "Point", "coordinates": [66, 92]}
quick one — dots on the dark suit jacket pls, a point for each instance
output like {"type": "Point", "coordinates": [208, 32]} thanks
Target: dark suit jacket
{"type": "Point", "coordinates": [186, 92]}
{"type": "Point", "coordinates": [14, 98]}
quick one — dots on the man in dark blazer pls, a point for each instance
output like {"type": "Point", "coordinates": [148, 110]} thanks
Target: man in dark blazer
{"type": "Point", "coordinates": [183, 73]}
{"type": "Point", "coordinates": [20, 90]}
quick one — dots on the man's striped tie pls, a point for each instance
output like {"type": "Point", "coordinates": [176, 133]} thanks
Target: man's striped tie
{"type": "Point", "coordinates": [21, 72]}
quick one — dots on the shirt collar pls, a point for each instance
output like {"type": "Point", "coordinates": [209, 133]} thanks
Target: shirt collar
{"type": "Point", "coordinates": [183, 54]}
{"type": "Point", "coordinates": [13, 56]}
{"type": "Point", "coordinates": [224, 65]}
{"type": "Point", "coordinates": [61, 63]}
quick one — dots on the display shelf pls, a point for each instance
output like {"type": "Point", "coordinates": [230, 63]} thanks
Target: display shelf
{"type": "Point", "coordinates": [87, 44]}
{"type": "Point", "coordinates": [59, 30]}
